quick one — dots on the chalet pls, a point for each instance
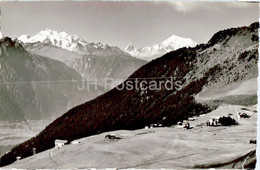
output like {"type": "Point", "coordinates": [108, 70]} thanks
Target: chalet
{"type": "Point", "coordinates": [75, 142]}
{"type": "Point", "coordinates": [193, 118]}
{"type": "Point", "coordinates": [155, 125]}
{"type": "Point", "coordinates": [112, 137]}
{"type": "Point", "coordinates": [214, 121]}
{"type": "Point", "coordinates": [245, 113]}
{"type": "Point", "coordinates": [59, 143]}
{"type": "Point", "coordinates": [187, 125]}
{"type": "Point", "coordinates": [179, 123]}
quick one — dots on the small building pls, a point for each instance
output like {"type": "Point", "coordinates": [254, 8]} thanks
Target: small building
{"type": "Point", "coordinates": [184, 125]}
{"type": "Point", "coordinates": [193, 118]}
{"type": "Point", "coordinates": [179, 123]}
{"type": "Point", "coordinates": [187, 125]}
{"type": "Point", "coordinates": [112, 137]}
{"type": "Point", "coordinates": [75, 142]}
{"type": "Point", "coordinates": [18, 158]}
{"type": "Point", "coordinates": [59, 143]}
{"type": "Point", "coordinates": [34, 151]}
{"type": "Point", "coordinates": [214, 121]}
{"type": "Point", "coordinates": [155, 125]}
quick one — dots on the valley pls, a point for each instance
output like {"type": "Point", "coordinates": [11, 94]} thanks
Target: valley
{"type": "Point", "coordinates": [13, 133]}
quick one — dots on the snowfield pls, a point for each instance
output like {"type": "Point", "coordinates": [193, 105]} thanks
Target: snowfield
{"type": "Point", "coordinates": [156, 147]}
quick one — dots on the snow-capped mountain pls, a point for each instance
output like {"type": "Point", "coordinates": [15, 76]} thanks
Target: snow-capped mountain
{"type": "Point", "coordinates": [58, 39]}
{"type": "Point", "coordinates": [91, 60]}
{"type": "Point", "coordinates": [149, 53]}
{"type": "Point", "coordinates": [68, 42]}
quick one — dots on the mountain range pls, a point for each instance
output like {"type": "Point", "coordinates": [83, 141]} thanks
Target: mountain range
{"type": "Point", "coordinates": [149, 53]}
{"type": "Point", "coordinates": [35, 87]}
{"type": "Point", "coordinates": [35, 90]}
{"type": "Point", "coordinates": [42, 77]}
{"type": "Point", "coordinates": [228, 59]}
{"type": "Point", "coordinates": [91, 60]}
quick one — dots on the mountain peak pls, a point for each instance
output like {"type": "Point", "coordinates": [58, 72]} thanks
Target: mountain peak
{"type": "Point", "coordinates": [149, 53]}
{"type": "Point", "coordinates": [7, 41]}
{"type": "Point", "coordinates": [47, 34]}
{"type": "Point", "coordinates": [55, 38]}
{"type": "Point", "coordinates": [72, 43]}
{"type": "Point", "coordinates": [174, 40]}
{"type": "Point", "coordinates": [129, 47]}
{"type": "Point", "coordinates": [61, 34]}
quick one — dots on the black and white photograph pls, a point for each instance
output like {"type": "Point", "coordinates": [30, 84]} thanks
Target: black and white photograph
{"type": "Point", "coordinates": [128, 84]}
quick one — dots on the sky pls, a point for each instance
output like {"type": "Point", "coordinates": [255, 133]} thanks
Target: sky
{"type": "Point", "coordinates": [121, 23]}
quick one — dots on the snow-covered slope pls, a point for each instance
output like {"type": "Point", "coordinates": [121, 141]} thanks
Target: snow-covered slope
{"type": "Point", "coordinates": [149, 53]}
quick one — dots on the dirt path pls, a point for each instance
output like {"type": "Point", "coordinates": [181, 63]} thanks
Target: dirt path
{"type": "Point", "coordinates": [51, 156]}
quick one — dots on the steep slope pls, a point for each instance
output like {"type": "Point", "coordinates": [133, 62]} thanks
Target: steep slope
{"type": "Point", "coordinates": [34, 91]}
{"type": "Point", "coordinates": [92, 60]}
{"type": "Point", "coordinates": [32, 86]}
{"type": "Point", "coordinates": [133, 109]}
{"type": "Point", "coordinates": [149, 53]}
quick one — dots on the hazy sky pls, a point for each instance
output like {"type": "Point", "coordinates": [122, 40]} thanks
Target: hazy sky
{"type": "Point", "coordinates": [119, 23]}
